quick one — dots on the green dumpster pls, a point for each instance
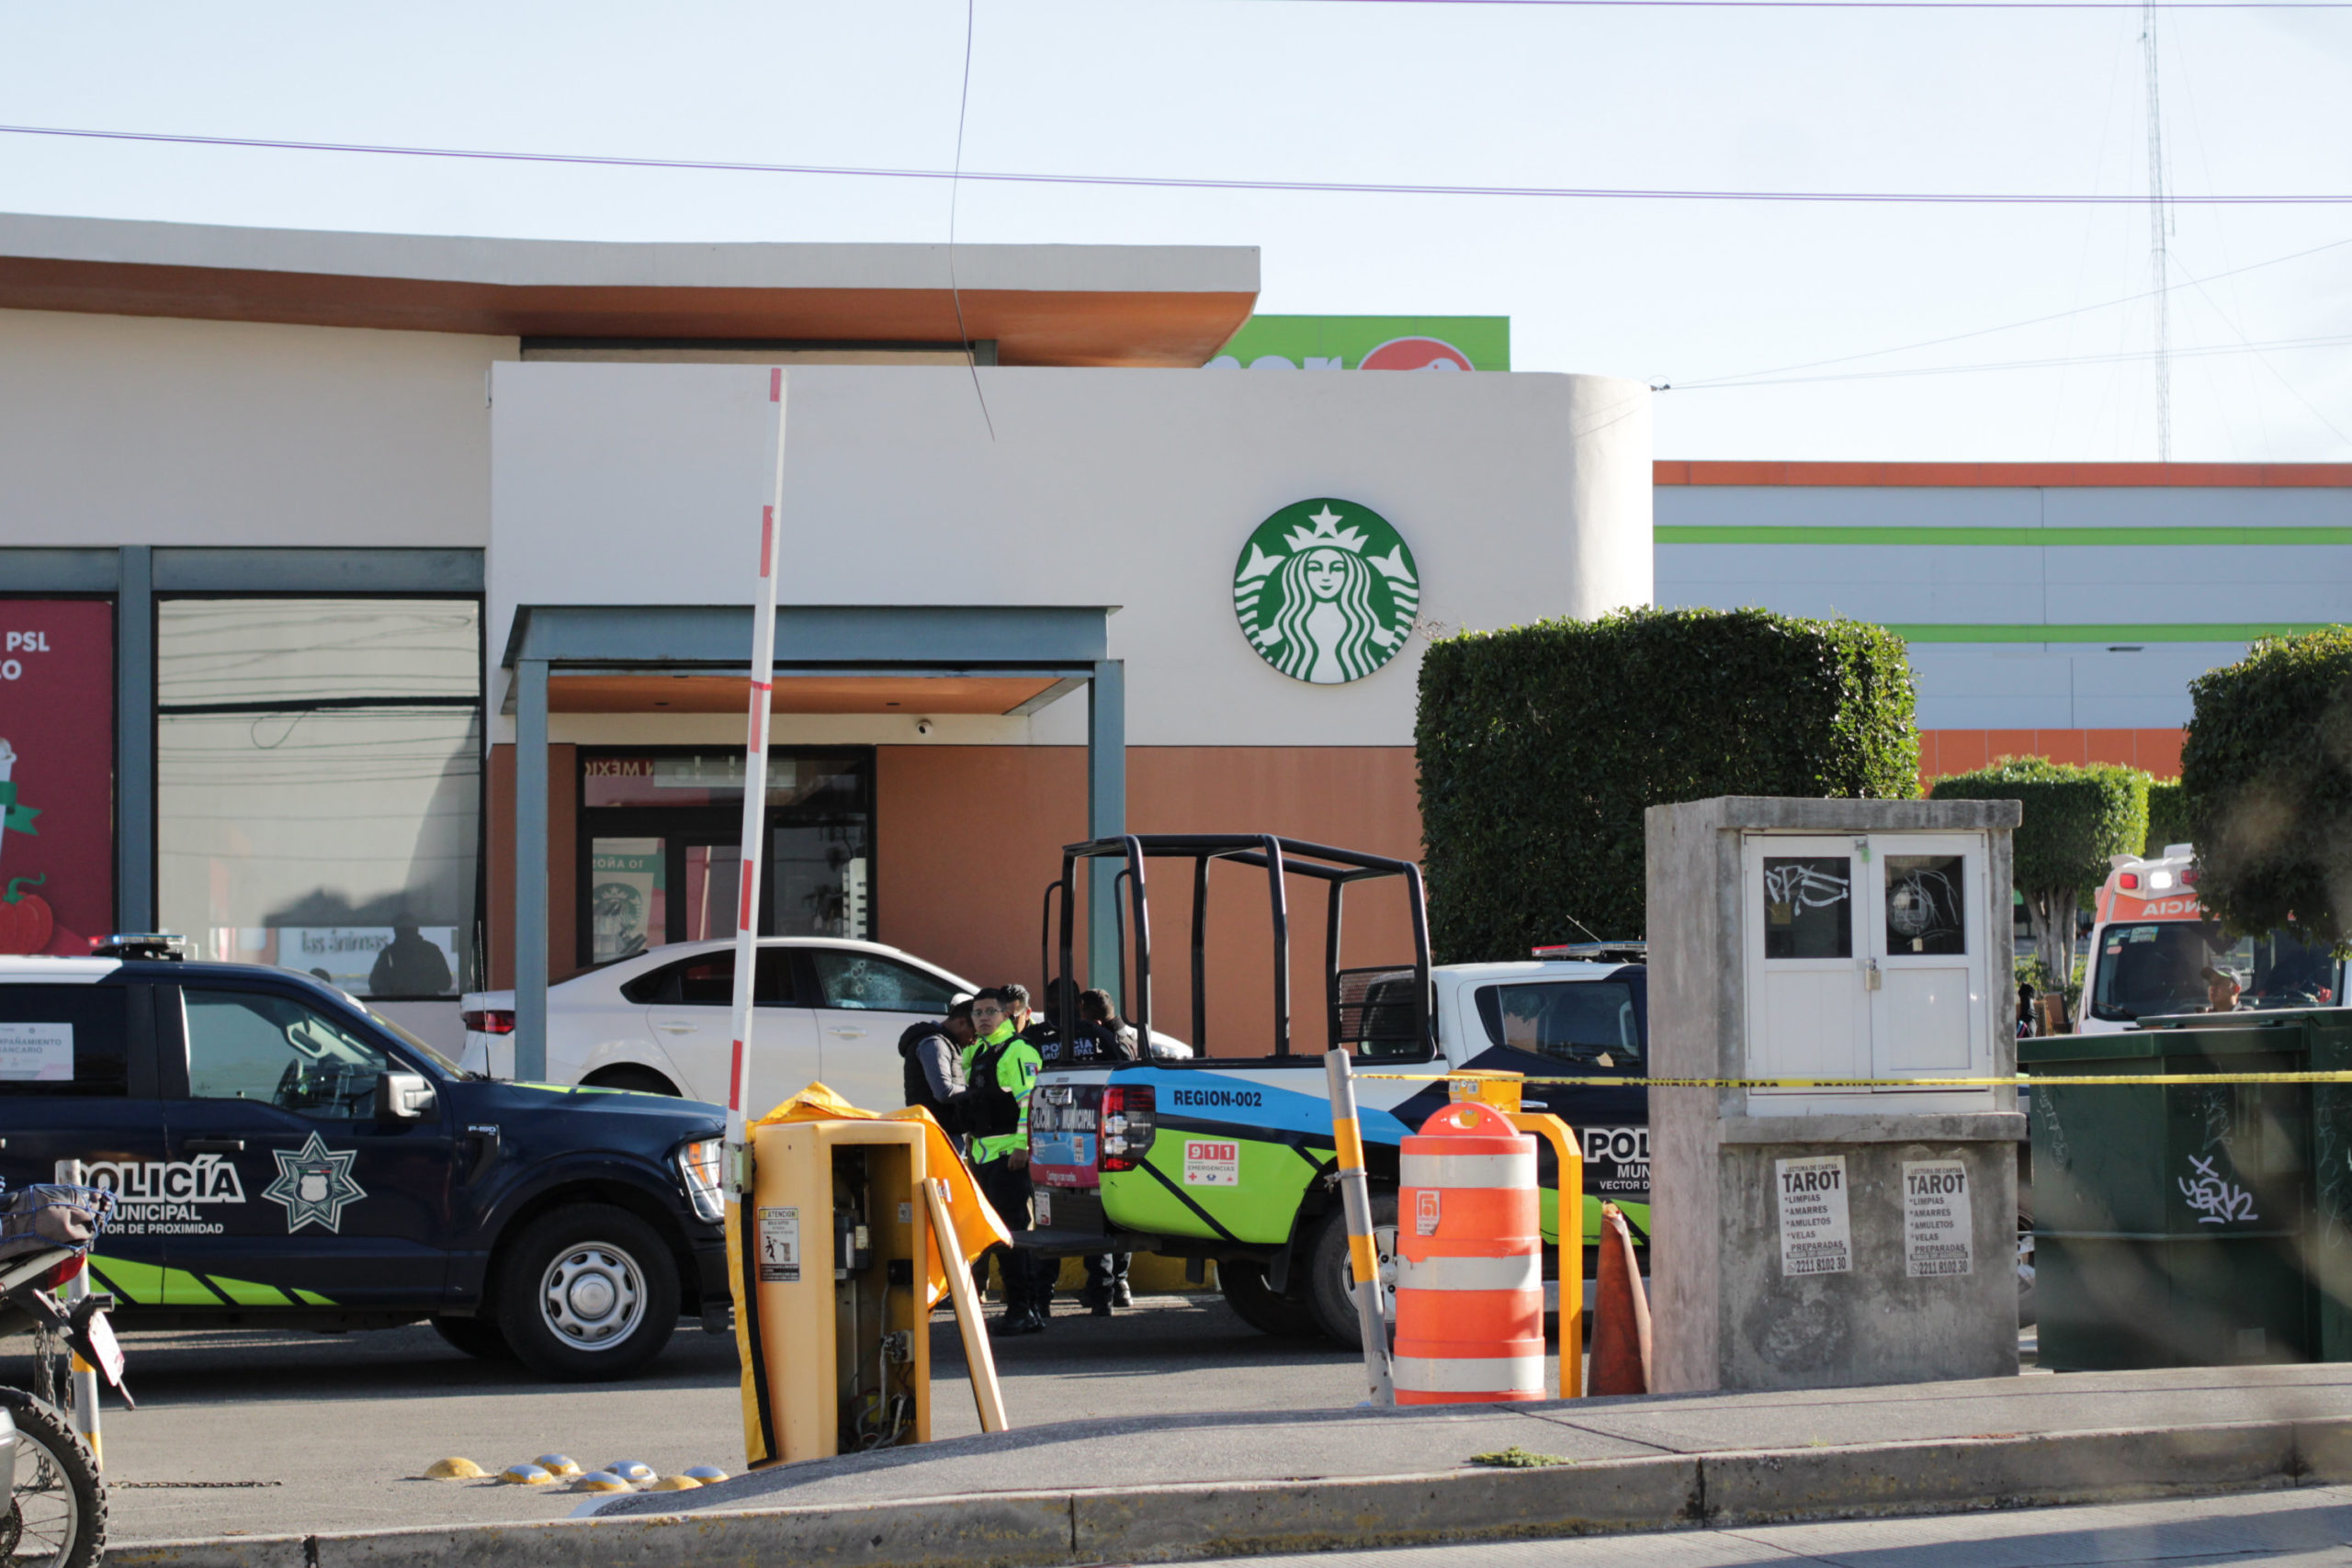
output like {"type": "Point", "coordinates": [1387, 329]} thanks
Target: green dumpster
{"type": "Point", "coordinates": [2193, 1224]}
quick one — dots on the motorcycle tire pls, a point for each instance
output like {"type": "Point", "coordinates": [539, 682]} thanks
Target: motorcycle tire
{"type": "Point", "coordinates": [58, 1513]}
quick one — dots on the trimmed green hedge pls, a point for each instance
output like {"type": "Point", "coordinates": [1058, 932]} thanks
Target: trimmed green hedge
{"type": "Point", "coordinates": [2075, 817]}
{"type": "Point", "coordinates": [2167, 816]}
{"type": "Point", "coordinates": [2265, 774]}
{"type": "Point", "coordinates": [1541, 746]}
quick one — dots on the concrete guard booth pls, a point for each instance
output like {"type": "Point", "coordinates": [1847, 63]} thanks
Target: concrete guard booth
{"type": "Point", "coordinates": [1811, 1236]}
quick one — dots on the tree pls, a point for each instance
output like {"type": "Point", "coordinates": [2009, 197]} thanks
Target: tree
{"type": "Point", "coordinates": [2265, 775]}
{"type": "Point", "coordinates": [2167, 816]}
{"type": "Point", "coordinates": [1541, 746]}
{"type": "Point", "coordinates": [2075, 819]}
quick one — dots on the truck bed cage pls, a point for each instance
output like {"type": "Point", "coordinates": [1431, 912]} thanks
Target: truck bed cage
{"type": "Point", "coordinates": [1279, 857]}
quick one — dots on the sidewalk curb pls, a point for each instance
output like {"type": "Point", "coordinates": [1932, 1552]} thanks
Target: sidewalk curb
{"type": "Point", "coordinates": [1055, 1530]}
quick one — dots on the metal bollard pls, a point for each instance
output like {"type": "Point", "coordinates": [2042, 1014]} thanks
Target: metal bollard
{"type": "Point", "coordinates": [1363, 1255]}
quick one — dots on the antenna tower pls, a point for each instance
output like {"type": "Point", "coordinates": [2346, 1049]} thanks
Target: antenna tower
{"type": "Point", "coordinates": [2159, 229]}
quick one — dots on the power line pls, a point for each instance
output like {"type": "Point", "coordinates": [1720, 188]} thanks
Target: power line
{"type": "Point", "coordinates": [2159, 230]}
{"type": "Point", "coordinates": [1886, 4]}
{"type": "Point", "coordinates": [2127, 356]}
{"type": "Point", "coordinates": [1743, 376]}
{"type": "Point", "coordinates": [1178, 182]}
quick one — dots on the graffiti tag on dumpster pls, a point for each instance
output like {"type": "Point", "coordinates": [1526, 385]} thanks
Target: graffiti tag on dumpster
{"type": "Point", "coordinates": [2213, 1198]}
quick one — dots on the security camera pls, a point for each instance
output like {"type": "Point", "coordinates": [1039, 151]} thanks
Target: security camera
{"type": "Point", "coordinates": [923, 727]}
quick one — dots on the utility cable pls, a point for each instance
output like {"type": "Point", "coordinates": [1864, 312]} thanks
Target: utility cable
{"type": "Point", "coordinates": [1181, 181]}
{"type": "Point", "coordinates": [1750, 375]}
{"type": "Point", "coordinates": [954, 292]}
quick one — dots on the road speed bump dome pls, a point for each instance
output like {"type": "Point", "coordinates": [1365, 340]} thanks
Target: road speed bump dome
{"type": "Point", "coordinates": [453, 1470]}
{"type": "Point", "coordinates": [560, 1465]}
{"type": "Point", "coordinates": [674, 1483]}
{"type": "Point", "coordinates": [629, 1469]}
{"type": "Point", "coordinates": [705, 1474]}
{"type": "Point", "coordinates": [526, 1475]}
{"type": "Point", "coordinates": [600, 1481]}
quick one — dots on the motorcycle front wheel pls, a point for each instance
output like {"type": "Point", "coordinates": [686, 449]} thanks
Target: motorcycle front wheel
{"type": "Point", "coordinates": [57, 1515]}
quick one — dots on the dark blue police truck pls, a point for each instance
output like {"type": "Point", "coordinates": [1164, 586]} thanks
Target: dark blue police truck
{"type": "Point", "coordinates": [284, 1157]}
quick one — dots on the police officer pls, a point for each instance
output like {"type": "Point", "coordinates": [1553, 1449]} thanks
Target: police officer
{"type": "Point", "coordinates": [934, 1058]}
{"type": "Point", "coordinates": [1099, 1039]}
{"type": "Point", "coordinates": [1001, 1067]}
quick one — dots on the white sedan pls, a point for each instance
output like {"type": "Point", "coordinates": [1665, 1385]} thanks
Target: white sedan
{"type": "Point", "coordinates": [829, 1010]}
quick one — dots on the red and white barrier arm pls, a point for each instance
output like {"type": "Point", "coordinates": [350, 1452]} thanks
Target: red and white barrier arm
{"type": "Point", "coordinates": [756, 803]}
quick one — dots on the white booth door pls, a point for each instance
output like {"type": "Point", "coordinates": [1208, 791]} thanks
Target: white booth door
{"type": "Point", "coordinates": [1866, 959]}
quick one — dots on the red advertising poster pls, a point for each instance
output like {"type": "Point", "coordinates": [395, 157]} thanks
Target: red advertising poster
{"type": "Point", "coordinates": [56, 774]}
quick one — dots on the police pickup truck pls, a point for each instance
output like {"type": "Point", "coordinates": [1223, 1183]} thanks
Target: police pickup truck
{"type": "Point", "coordinates": [284, 1158]}
{"type": "Point", "coordinates": [1230, 1157]}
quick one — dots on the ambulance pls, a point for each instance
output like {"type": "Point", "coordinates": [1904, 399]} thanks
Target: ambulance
{"type": "Point", "coordinates": [2150, 945]}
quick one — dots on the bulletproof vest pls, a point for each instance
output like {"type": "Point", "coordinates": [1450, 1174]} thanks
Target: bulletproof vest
{"type": "Point", "coordinates": [995, 1109]}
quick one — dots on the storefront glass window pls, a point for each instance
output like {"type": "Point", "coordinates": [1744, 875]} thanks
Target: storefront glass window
{"type": "Point", "coordinates": [319, 774]}
{"type": "Point", "coordinates": [661, 845]}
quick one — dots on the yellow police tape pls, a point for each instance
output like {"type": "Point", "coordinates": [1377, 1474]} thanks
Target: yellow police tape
{"type": "Point", "coordinates": [2020, 1080]}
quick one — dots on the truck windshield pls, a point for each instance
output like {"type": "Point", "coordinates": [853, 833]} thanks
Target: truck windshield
{"type": "Point", "coordinates": [1591, 1022]}
{"type": "Point", "coordinates": [2151, 967]}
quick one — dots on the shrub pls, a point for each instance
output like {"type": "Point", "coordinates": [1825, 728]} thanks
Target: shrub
{"type": "Point", "coordinates": [1541, 746]}
{"type": "Point", "coordinates": [2167, 816]}
{"type": "Point", "coordinates": [2265, 775]}
{"type": "Point", "coordinates": [2075, 817]}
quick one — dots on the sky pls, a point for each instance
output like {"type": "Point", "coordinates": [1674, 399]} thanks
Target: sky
{"type": "Point", "coordinates": [1678, 293]}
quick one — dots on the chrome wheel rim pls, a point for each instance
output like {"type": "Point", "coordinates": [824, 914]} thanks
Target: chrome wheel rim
{"type": "Point", "coordinates": [46, 1521]}
{"type": "Point", "coordinates": [592, 1296]}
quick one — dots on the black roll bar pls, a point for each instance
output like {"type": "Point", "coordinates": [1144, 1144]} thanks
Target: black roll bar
{"type": "Point", "coordinates": [1280, 858]}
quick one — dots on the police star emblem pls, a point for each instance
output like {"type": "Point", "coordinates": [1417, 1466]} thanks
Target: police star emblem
{"type": "Point", "coordinates": [313, 1184]}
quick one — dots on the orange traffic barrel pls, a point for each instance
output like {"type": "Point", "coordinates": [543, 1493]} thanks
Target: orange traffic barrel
{"type": "Point", "coordinates": [1469, 1262]}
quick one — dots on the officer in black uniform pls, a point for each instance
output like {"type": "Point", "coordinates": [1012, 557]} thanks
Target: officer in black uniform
{"type": "Point", "coordinates": [1099, 1039]}
{"type": "Point", "coordinates": [934, 1058]}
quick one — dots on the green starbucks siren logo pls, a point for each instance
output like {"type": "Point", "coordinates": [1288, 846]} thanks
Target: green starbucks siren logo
{"type": "Point", "coordinates": [1325, 591]}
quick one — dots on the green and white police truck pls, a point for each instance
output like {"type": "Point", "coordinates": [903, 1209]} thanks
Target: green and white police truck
{"type": "Point", "coordinates": [1230, 1157]}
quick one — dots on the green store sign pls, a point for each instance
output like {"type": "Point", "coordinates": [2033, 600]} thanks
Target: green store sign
{"type": "Point", "coordinates": [1368, 343]}
{"type": "Point", "coordinates": [1325, 591]}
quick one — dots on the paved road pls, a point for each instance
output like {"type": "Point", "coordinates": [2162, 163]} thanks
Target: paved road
{"type": "Point", "coordinates": [268, 1433]}
{"type": "Point", "coordinates": [2275, 1529]}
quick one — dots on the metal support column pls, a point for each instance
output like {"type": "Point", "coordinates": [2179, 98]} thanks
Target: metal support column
{"type": "Point", "coordinates": [530, 870]}
{"type": "Point", "coordinates": [1106, 816]}
{"type": "Point", "coordinates": [134, 740]}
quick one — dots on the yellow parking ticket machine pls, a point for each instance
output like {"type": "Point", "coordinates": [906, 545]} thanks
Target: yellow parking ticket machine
{"type": "Point", "coordinates": [837, 1344]}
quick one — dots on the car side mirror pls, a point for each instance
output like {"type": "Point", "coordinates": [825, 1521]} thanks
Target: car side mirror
{"type": "Point", "coordinates": [404, 1097]}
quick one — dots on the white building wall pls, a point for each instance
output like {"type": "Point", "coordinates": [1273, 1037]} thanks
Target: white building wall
{"type": "Point", "coordinates": [1521, 496]}
{"type": "Point", "coordinates": [2129, 625]}
{"type": "Point", "coordinates": [121, 430]}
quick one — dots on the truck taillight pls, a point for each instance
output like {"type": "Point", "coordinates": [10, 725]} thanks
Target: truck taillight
{"type": "Point", "coordinates": [499, 1021]}
{"type": "Point", "coordinates": [56, 1278]}
{"type": "Point", "coordinates": [1129, 1114]}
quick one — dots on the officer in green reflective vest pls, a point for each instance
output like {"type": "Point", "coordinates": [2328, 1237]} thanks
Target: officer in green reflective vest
{"type": "Point", "coordinates": [1001, 1067]}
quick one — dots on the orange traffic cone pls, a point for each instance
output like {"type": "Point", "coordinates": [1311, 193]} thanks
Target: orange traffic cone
{"type": "Point", "coordinates": [1621, 1317]}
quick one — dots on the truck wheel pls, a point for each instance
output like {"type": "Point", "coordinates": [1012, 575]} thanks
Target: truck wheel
{"type": "Point", "coordinates": [1330, 1280]}
{"type": "Point", "coordinates": [587, 1292]}
{"type": "Point", "coordinates": [476, 1336]}
{"type": "Point", "coordinates": [58, 1516]}
{"type": "Point", "coordinates": [1256, 1302]}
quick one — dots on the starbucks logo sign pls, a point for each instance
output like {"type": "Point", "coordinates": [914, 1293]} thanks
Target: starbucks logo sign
{"type": "Point", "coordinates": [1325, 591]}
